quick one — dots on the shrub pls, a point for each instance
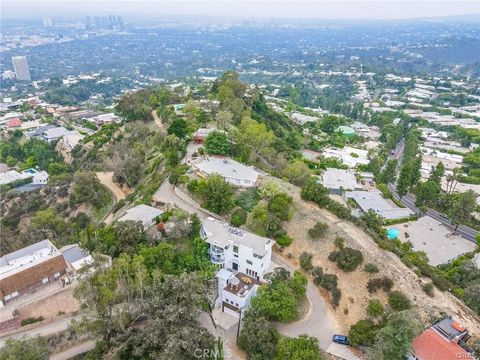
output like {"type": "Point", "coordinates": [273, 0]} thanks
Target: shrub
{"type": "Point", "coordinates": [329, 282]}
{"type": "Point", "coordinates": [317, 273]}
{"type": "Point", "coordinates": [31, 320]}
{"type": "Point", "coordinates": [429, 290]}
{"type": "Point", "coordinates": [336, 296]}
{"type": "Point", "coordinates": [333, 256]}
{"type": "Point", "coordinates": [247, 199]}
{"type": "Point", "coordinates": [238, 218]}
{"type": "Point", "coordinates": [398, 301]}
{"type": "Point", "coordinates": [339, 242]}
{"type": "Point", "coordinates": [437, 278]}
{"type": "Point", "coordinates": [375, 308]}
{"type": "Point", "coordinates": [306, 261]}
{"type": "Point", "coordinates": [347, 259]}
{"type": "Point", "coordinates": [318, 230]}
{"type": "Point", "coordinates": [284, 240]}
{"type": "Point", "coordinates": [384, 283]}
{"type": "Point", "coordinates": [370, 268]}
{"type": "Point", "coordinates": [362, 333]}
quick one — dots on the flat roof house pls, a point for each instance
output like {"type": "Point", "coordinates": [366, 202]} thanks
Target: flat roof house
{"type": "Point", "coordinates": [232, 171]}
{"type": "Point", "coordinates": [237, 250]}
{"type": "Point", "coordinates": [243, 259]}
{"type": "Point", "coordinates": [338, 180]}
{"type": "Point", "coordinates": [202, 133]}
{"type": "Point", "coordinates": [444, 340]}
{"type": "Point", "coordinates": [23, 270]}
{"type": "Point", "coordinates": [144, 213]}
{"type": "Point", "coordinates": [373, 200]}
{"type": "Point", "coordinates": [235, 291]}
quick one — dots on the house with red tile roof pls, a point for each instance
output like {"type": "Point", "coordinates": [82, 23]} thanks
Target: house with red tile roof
{"type": "Point", "coordinates": [444, 340]}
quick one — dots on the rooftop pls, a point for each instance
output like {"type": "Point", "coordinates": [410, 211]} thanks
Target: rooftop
{"type": "Point", "coordinates": [241, 284]}
{"type": "Point", "coordinates": [440, 342]}
{"type": "Point", "coordinates": [72, 253]}
{"type": "Point", "coordinates": [222, 234]}
{"type": "Point", "coordinates": [27, 257]}
{"type": "Point", "coordinates": [337, 178]}
{"type": "Point", "coordinates": [228, 168]}
{"type": "Point", "coordinates": [373, 200]}
{"type": "Point", "coordinates": [143, 213]}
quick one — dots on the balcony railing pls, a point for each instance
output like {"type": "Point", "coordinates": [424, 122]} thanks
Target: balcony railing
{"type": "Point", "coordinates": [217, 259]}
{"type": "Point", "coordinates": [216, 250]}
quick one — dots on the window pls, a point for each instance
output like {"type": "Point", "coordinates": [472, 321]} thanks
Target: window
{"type": "Point", "coordinates": [235, 255]}
{"type": "Point", "coordinates": [236, 304]}
{"type": "Point", "coordinates": [235, 249]}
{"type": "Point", "coordinates": [249, 262]}
{"type": "Point", "coordinates": [257, 256]}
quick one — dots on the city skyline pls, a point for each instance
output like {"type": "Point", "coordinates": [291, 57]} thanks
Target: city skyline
{"type": "Point", "coordinates": [360, 10]}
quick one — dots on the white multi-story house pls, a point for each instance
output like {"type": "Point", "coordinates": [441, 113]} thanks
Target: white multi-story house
{"type": "Point", "coordinates": [243, 259]}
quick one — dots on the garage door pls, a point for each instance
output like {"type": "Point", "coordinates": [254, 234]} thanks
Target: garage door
{"type": "Point", "coordinates": [231, 312]}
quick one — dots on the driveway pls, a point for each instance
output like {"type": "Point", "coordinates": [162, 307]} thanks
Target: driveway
{"type": "Point", "coordinates": [49, 328]}
{"type": "Point", "coordinates": [317, 322]}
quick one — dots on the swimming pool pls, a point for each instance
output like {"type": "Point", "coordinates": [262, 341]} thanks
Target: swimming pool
{"type": "Point", "coordinates": [393, 233]}
{"type": "Point", "coordinates": [30, 171]}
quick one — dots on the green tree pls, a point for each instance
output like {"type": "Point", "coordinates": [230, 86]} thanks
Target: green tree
{"type": "Point", "coordinates": [362, 333]}
{"type": "Point", "coordinates": [178, 127]}
{"type": "Point", "coordinates": [258, 219]}
{"type": "Point", "coordinates": [388, 174]}
{"type": "Point", "coordinates": [278, 299]}
{"type": "Point", "coordinates": [297, 172]}
{"type": "Point", "coordinates": [427, 193]}
{"type": "Point", "coordinates": [218, 195]}
{"type": "Point", "coordinates": [174, 149]}
{"type": "Point", "coordinates": [463, 206]}
{"type": "Point", "coordinates": [280, 206]}
{"type": "Point", "coordinates": [258, 337]}
{"type": "Point", "coordinates": [300, 348]}
{"type": "Point", "coordinates": [437, 173]}
{"type": "Point", "coordinates": [394, 340]}
{"type": "Point", "coordinates": [25, 349]}
{"type": "Point", "coordinates": [253, 140]}
{"type": "Point", "coordinates": [217, 143]}
{"type": "Point", "coordinates": [87, 188]}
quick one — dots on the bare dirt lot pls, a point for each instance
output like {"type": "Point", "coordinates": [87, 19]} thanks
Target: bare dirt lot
{"type": "Point", "coordinates": [353, 285]}
{"type": "Point", "coordinates": [52, 306]}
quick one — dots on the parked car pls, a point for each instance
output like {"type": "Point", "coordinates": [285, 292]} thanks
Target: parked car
{"type": "Point", "coordinates": [340, 339]}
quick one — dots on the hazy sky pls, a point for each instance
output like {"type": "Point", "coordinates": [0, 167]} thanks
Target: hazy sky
{"type": "Point", "coordinates": [352, 9]}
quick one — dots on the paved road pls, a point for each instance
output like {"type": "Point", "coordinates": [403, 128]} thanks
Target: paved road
{"type": "Point", "coordinates": [316, 323]}
{"type": "Point", "coordinates": [42, 330]}
{"type": "Point", "coordinates": [166, 194]}
{"type": "Point", "coordinates": [74, 350]}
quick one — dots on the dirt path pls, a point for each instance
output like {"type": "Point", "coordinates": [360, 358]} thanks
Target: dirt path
{"type": "Point", "coordinates": [355, 296]}
{"type": "Point", "coordinates": [157, 119]}
{"type": "Point", "coordinates": [106, 178]}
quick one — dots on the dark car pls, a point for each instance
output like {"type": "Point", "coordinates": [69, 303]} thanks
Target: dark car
{"type": "Point", "coordinates": [340, 339]}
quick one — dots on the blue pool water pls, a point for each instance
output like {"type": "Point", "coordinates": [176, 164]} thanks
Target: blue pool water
{"type": "Point", "coordinates": [31, 171]}
{"type": "Point", "coordinates": [393, 233]}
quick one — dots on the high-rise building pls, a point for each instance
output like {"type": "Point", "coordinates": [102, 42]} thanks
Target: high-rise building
{"type": "Point", "coordinates": [47, 22]}
{"type": "Point", "coordinates": [21, 68]}
{"type": "Point", "coordinates": [88, 22]}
